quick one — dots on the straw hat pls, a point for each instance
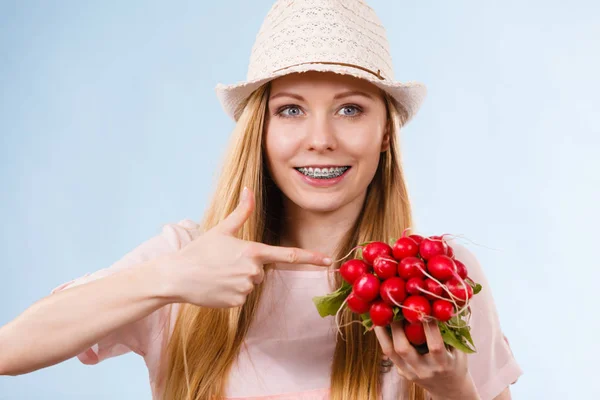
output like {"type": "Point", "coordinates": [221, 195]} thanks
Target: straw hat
{"type": "Point", "coordinates": [341, 36]}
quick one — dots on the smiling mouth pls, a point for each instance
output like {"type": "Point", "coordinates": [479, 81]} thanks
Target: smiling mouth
{"type": "Point", "coordinates": [323, 173]}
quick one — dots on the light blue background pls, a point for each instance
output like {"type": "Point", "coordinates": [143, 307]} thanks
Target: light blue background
{"type": "Point", "coordinates": [109, 127]}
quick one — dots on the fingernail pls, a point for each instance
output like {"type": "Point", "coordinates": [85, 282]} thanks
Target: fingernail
{"type": "Point", "coordinates": [327, 260]}
{"type": "Point", "coordinates": [244, 193]}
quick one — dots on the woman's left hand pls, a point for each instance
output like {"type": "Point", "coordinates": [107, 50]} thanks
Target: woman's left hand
{"type": "Point", "coordinates": [443, 373]}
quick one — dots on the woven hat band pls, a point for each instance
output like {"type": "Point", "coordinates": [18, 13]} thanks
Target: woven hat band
{"type": "Point", "coordinates": [377, 74]}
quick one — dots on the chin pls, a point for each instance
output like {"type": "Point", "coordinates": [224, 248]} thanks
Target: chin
{"type": "Point", "coordinates": [324, 203]}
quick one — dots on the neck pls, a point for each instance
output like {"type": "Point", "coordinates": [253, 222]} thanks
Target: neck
{"type": "Point", "coordinates": [317, 231]}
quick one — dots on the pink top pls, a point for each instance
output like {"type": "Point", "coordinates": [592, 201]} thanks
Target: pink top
{"type": "Point", "coordinates": [289, 347]}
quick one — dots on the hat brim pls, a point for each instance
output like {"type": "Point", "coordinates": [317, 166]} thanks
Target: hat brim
{"type": "Point", "coordinates": [409, 94]}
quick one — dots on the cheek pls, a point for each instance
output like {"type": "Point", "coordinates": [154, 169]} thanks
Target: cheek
{"type": "Point", "coordinates": [363, 143]}
{"type": "Point", "coordinates": [280, 146]}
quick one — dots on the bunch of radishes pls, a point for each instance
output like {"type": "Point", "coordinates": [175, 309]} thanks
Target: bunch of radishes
{"type": "Point", "coordinates": [414, 280]}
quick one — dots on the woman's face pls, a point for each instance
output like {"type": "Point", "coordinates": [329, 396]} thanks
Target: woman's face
{"type": "Point", "coordinates": [324, 136]}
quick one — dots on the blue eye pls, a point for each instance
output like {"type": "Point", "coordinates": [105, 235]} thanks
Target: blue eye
{"type": "Point", "coordinates": [290, 111]}
{"type": "Point", "coordinates": [350, 111]}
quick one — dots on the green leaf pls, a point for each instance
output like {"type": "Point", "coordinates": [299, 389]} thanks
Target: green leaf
{"type": "Point", "coordinates": [461, 329]}
{"type": "Point", "coordinates": [466, 312]}
{"type": "Point", "coordinates": [454, 339]}
{"type": "Point", "coordinates": [367, 323]}
{"type": "Point", "coordinates": [475, 286]}
{"type": "Point", "coordinates": [359, 250]}
{"type": "Point", "coordinates": [397, 314]}
{"type": "Point", "coordinates": [456, 321]}
{"type": "Point", "coordinates": [331, 303]}
{"type": "Point", "coordinates": [466, 333]}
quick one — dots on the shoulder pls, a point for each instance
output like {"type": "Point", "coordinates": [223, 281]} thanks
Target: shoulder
{"type": "Point", "coordinates": [181, 233]}
{"type": "Point", "coordinates": [467, 257]}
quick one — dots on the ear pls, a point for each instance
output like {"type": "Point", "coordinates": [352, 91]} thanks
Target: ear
{"type": "Point", "coordinates": [385, 143]}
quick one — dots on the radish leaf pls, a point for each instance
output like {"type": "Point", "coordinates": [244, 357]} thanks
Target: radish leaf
{"type": "Point", "coordinates": [466, 333]}
{"type": "Point", "coordinates": [397, 314]}
{"type": "Point", "coordinates": [453, 339]}
{"type": "Point", "coordinates": [359, 250]}
{"type": "Point", "coordinates": [367, 323]}
{"type": "Point", "coordinates": [475, 286]}
{"type": "Point", "coordinates": [331, 303]}
{"type": "Point", "coordinates": [455, 321]}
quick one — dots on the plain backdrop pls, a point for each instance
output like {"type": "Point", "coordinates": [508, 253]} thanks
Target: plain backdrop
{"type": "Point", "coordinates": [110, 128]}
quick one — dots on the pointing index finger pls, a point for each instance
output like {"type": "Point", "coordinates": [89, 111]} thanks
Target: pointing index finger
{"type": "Point", "coordinates": [291, 255]}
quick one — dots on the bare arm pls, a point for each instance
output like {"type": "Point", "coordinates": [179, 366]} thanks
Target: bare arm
{"type": "Point", "coordinates": [63, 324]}
{"type": "Point", "coordinates": [216, 270]}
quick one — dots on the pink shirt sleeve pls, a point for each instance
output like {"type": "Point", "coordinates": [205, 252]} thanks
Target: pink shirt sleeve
{"type": "Point", "coordinates": [138, 336]}
{"type": "Point", "coordinates": [493, 367]}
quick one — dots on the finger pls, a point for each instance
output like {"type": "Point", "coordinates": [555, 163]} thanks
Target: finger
{"type": "Point", "coordinates": [290, 255]}
{"type": "Point", "coordinates": [387, 346]}
{"type": "Point", "coordinates": [234, 221]}
{"type": "Point", "coordinates": [258, 278]}
{"type": "Point", "coordinates": [402, 346]}
{"type": "Point", "coordinates": [435, 342]}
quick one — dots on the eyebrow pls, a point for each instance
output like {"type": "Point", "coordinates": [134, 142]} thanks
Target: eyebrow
{"type": "Point", "coordinates": [336, 97]}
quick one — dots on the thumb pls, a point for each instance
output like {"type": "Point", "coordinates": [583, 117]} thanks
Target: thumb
{"type": "Point", "coordinates": [234, 221]}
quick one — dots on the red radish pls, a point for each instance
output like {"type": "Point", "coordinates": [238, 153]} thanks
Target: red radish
{"type": "Point", "coordinates": [431, 247]}
{"type": "Point", "coordinates": [450, 252]}
{"type": "Point", "coordinates": [442, 310]}
{"type": "Point", "coordinates": [416, 308]}
{"type": "Point", "coordinates": [417, 238]}
{"type": "Point", "coordinates": [405, 247]}
{"type": "Point", "coordinates": [411, 267]}
{"type": "Point", "coordinates": [366, 287]}
{"type": "Point", "coordinates": [381, 313]}
{"type": "Point", "coordinates": [415, 333]}
{"type": "Point", "coordinates": [351, 270]}
{"type": "Point", "coordinates": [433, 287]}
{"type": "Point", "coordinates": [357, 305]}
{"type": "Point", "coordinates": [393, 289]}
{"type": "Point", "coordinates": [385, 268]}
{"type": "Point", "coordinates": [376, 249]}
{"type": "Point", "coordinates": [414, 285]}
{"type": "Point", "coordinates": [457, 288]}
{"type": "Point", "coordinates": [441, 267]}
{"type": "Point", "coordinates": [461, 269]}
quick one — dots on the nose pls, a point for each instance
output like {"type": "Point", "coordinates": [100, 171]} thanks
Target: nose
{"type": "Point", "coordinates": [321, 135]}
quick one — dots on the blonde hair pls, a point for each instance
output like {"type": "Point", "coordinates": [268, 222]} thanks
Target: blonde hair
{"type": "Point", "coordinates": [205, 342]}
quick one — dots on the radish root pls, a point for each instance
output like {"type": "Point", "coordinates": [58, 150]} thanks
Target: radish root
{"type": "Point", "coordinates": [337, 314]}
{"type": "Point", "coordinates": [347, 255]}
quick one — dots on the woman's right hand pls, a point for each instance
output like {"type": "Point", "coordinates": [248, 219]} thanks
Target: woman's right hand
{"type": "Point", "coordinates": [218, 270]}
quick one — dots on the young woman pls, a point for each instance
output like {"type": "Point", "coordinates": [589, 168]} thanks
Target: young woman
{"type": "Point", "coordinates": [224, 309]}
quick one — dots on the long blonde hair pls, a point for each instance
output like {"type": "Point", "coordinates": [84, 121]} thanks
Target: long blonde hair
{"type": "Point", "coordinates": [205, 342]}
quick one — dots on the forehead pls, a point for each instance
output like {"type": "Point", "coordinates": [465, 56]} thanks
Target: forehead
{"type": "Point", "coordinates": [319, 82]}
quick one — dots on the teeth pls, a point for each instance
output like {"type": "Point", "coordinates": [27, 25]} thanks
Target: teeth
{"type": "Point", "coordinates": [323, 173]}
